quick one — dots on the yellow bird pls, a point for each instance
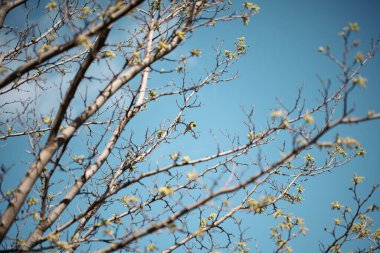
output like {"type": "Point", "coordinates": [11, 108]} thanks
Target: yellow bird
{"type": "Point", "coordinates": [190, 126]}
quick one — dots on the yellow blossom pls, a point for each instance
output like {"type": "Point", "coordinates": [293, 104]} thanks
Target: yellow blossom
{"type": "Point", "coordinates": [52, 37]}
{"type": "Point", "coordinates": [278, 213]}
{"type": "Point", "coordinates": [250, 6]}
{"type": "Point", "coordinates": [181, 35]}
{"type": "Point", "coordinates": [337, 221]}
{"type": "Point", "coordinates": [229, 55]}
{"type": "Point", "coordinates": [308, 118]}
{"type": "Point", "coordinates": [136, 54]}
{"type": "Point", "coordinates": [9, 192]}
{"type": "Point", "coordinates": [39, 134]}
{"type": "Point", "coordinates": [335, 205]}
{"type": "Point", "coordinates": [357, 179]}
{"type": "Point", "coordinates": [364, 233]}
{"type": "Point", "coordinates": [162, 46]}
{"type": "Point", "coordinates": [349, 141]}
{"type": "Point", "coordinates": [128, 200]}
{"type": "Point", "coordinates": [199, 232]}
{"type": "Point", "coordinates": [299, 221]}
{"type": "Point", "coordinates": [321, 49]}
{"type": "Point", "coordinates": [53, 237]}
{"type": "Point", "coordinates": [45, 47]}
{"type": "Point", "coordinates": [104, 223]}
{"type": "Point", "coordinates": [376, 235]}
{"type": "Point", "coordinates": [340, 150]}
{"type": "Point", "coordinates": [273, 230]}
{"type": "Point", "coordinates": [251, 203]}
{"type": "Point", "coordinates": [212, 216]}
{"type": "Point", "coordinates": [9, 130]}
{"type": "Point", "coordinates": [289, 166]}
{"type": "Point", "coordinates": [191, 175]}
{"type": "Point", "coordinates": [356, 227]}
{"type": "Point", "coordinates": [186, 159]}
{"type": "Point", "coordinates": [37, 216]}
{"type": "Point", "coordinates": [359, 57]}
{"type": "Point", "coordinates": [268, 199]}
{"type": "Point", "coordinates": [20, 242]}
{"type": "Point", "coordinates": [285, 124]}
{"type": "Point", "coordinates": [241, 244]}
{"type": "Point", "coordinates": [251, 136]}
{"type": "Point", "coordinates": [52, 5]}
{"type": "Point", "coordinates": [257, 206]}
{"type": "Point", "coordinates": [336, 249]}
{"type": "Point", "coordinates": [309, 158]}
{"type": "Point", "coordinates": [203, 223]}
{"type": "Point", "coordinates": [353, 27]}
{"type": "Point", "coordinates": [288, 249]}
{"type": "Point", "coordinates": [277, 113]}
{"type": "Point", "coordinates": [32, 201]}
{"type": "Point", "coordinates": [87, 10]}
{"type": "Point", "coordinates": [174, 156]}
{"type": "Point", "coordinates": [152, 94]}
{"type": "Point", "coordinates": [280, 243]}
{"type": "Point", "coordinates": [109, 54]}
{"type": "Point", "coordinates": [63, 245]}
{"type": "Point", "coordinates": [195, 52]}
{"type": "Point", "coordinates": [83, 40]}
{"type": "Point", "coordinates": [361, 152]}
{"type": "Point", "coordinates": [78, 159]}
{"type": "Point", "coordinates": [165, 190]}
{"type": "Point", "coordinates": [151, 247]}
{"type": "Point", "coordinates": [245, 19]}
{"type": "Point", "coordinates": [361, 81]}
{"type": "Point", "coordinates": [46, 120]}
{"type": "Point", "coordinates": [240, 46]}
{"type": "Point", "coordinates": [303, 230]}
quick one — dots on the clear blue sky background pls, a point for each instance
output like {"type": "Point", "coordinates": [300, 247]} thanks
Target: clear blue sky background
{"type": "Point", "coordinates": [282, 56]}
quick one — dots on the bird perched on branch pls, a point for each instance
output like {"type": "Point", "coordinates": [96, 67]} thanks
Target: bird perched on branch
{"type": "Point", "coordinates": [190, 126]}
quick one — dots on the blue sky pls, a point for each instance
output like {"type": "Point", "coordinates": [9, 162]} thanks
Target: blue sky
{"type": "Point", "coordinates": [283, 40]}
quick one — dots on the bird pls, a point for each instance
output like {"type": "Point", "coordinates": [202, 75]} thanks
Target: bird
{"type": "Point", "coordinates": [190, 126]}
